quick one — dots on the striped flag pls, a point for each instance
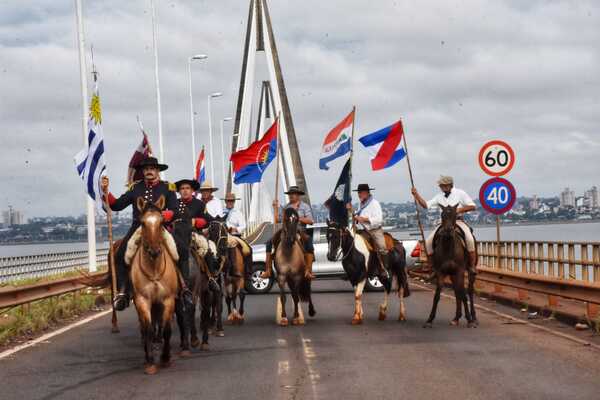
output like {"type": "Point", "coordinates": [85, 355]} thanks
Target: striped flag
{"type": "Point", "coordinates": [90, 161]}
{"type": "Point", "coordinates": [200, 174]}
{"type": "Point", "coordinates": [337, 142]}
{"type": "Point", "coordinates": [385, 146]}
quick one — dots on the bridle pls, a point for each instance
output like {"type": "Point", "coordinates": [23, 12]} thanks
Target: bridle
{"type": "Point", "coordinates": [341, 255]}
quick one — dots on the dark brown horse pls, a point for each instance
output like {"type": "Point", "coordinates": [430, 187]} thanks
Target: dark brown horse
{"type": "Point", "coordinates": [290, 266]}
{"type": "Point", "coordinates": [450, 259]}
{"type": "Point", "coordinates": [155, 283]}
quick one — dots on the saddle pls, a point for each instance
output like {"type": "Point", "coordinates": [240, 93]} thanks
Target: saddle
{"type": "Point", "coordinates": [134, 243]}
{"type": "Point", "coordinates": [236, 241]}
{"type": "Point", "coordinates": [459, 232]}
{"type": "Point", "coordinates": [390, 242]}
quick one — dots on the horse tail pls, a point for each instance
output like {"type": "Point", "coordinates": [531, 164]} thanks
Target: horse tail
{"type": "Point", "coordinates": [304, 290]}
{"type": "Point", "coordinates": [96, 280]}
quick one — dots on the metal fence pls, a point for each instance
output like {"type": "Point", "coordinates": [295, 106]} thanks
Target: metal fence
{"type": "Point", "coordinates": [41, 265]}
{"type": "Point", "coordinates": [578, 261]}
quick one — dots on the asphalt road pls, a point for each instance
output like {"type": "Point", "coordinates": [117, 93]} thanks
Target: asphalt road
{"type": "Point", "coordinates": [326, 359]}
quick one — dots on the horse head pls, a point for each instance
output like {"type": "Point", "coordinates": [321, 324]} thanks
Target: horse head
{"type": "Point", "coordinates": [334, 240]}
{"type": "Point", "coordinates": [448, 224]}
{"type": "Point", "coordinates": [151, 221]}
{"type": "Point", "coordinates": [290, 226]}
{"type": "Point", "coordinates": [217, 232]}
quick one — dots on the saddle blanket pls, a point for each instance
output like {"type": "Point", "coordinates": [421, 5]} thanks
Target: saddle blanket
{"type": "Point", "coordinates": [134, 243]}
{"type": "Point", "coordinates": [235, 241]}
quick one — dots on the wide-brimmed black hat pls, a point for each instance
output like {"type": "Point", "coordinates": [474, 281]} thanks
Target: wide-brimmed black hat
{"type": "Point", "coordinates": [151, 162]}
{"type": "Point", "coordinates": [295, 189]}
{"type": "Point", "coordinates": [193, 183]}
{"type": "Point", "coordinates": [363, 187]}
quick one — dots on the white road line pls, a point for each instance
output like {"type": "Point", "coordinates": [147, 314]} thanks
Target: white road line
{"type": "Point", "coordinates": [50, 335]}
{"type": "Point", "coordinates": [523, 322]}
{"type": "Point", "coordinates": [309, 356]}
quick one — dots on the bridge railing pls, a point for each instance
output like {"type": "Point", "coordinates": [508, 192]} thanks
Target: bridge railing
{"type": "Point", "coordinates": [42, 265]}
{"type": "Point", "coordinates": [578, 261]}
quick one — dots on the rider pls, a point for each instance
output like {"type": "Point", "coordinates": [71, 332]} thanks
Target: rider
{"type": "Point", "coordinates": [213, 205]}
{"type": "Point", "coordinates": [149, 189]}
{"type": "Point", "coordinates": [305, 218]}
{"type": "Point", "coordinates": [451, 196]}
{"type": "Point", "coordinates": [370, 216]}
{"type": "Point", "coordinates": [233, 218]}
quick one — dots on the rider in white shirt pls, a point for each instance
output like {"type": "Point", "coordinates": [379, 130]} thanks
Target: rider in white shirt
{"type": "Point", "coordinates": [213, 205]}
{"type": "Point", "coordinates": [233, 218]}
{"type": "Point", "coordinates": [451, 196]}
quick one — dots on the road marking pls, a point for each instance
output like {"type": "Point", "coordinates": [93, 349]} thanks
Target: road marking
{"type": "Point", "coordinates": [523, 322]}
{"type": "Point", "coordinates": [282, 342]}
{"type": "Point", "coordinates": [44, 339]}
{"type": "Point", "coordinates": [283, 367]}
{"type": "Point", "coordinates": [309, 356]}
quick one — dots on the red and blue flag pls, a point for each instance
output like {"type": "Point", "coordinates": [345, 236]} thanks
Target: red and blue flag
{"type": "Point", "coordinates": [338, 141]}
{"type": "Point", "coordinates": [385, 146]}
{"type": "Point", "coordinates": [250, 163]}
{"type": "Point", "coordinates": [200, 174]}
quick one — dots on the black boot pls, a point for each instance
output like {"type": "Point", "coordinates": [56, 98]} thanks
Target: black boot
{"type": "Point", "coordinates": [122, 298]}
{"type": "Point", "coordinates": [385, 264]}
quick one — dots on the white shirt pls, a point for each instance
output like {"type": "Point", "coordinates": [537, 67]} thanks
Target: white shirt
{"type": "Point", "coordinates": [214, 207]}
{"type": "Point", "coordinates": [235, 219]}
{"type": "Point", "coordinates": [372, 210]}
{"type": "Point", "coordinates": [457, 196]}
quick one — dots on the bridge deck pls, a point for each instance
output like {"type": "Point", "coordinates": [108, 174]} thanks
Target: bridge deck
{"type": "Point", "coordinates": [327, 358]}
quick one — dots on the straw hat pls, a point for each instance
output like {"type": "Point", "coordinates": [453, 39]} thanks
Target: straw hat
{"type": "Point", "coordinates": [445, 180]}
{"type": "Point", "coordinates": [207, 185]}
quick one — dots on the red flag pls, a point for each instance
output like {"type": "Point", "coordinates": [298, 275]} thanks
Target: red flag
{"type": "Point", "coordinates": [142, 152]}
{"type": "Point", "coordinates": [250, 163]}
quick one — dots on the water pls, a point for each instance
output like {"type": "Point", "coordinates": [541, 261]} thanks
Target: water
{"type": "Point", "coordinates": [14, 250]}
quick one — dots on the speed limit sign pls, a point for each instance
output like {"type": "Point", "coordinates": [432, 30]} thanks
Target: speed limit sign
{"type": "Point", "coordinates": [496, 158]}
{"type": "Point", "coordinates": [497, 196]}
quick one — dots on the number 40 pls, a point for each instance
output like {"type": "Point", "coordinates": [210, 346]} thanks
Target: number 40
{"type": "Point", "coordinates": [498, 195]}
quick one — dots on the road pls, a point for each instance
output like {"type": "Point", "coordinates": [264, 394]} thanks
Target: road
{"type": "Point", "coordinates": [326, 359]}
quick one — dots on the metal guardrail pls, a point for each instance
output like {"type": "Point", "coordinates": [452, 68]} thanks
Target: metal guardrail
{"type": "Point", "coordinates": [15, 296]}
{"type": "Point", "coordinates": [41, 265]}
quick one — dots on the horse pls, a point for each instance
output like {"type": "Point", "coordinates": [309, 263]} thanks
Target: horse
{"type": "Point", "coordinates": [450, 259]}
{"type": "Point", "coordinates": [359, 263]}
{"type": "Point", "coordinates": [234, 268]}
{"type": "Point", "coordinates": [155, 283]}
{"type": "Point", "coordinates": [290, 266]}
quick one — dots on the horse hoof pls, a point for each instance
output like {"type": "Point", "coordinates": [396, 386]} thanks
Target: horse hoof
{"type": "Point", "coordinates": [382, 316]}
{"type": "Point", "coordinates": [402, 318]}
{"type": "Point", "coordinates": [312, 312]}
{"type": "Point", "coordinates": [204, 347]}
{"type": "Point", "coordinates": [210, 331]}
{"type": "Point", "coordinates": [357, 321]}
{"type": "Point", "coordinates": [195, 343]}
{"type": "Point", "coordinates": [220, 333]}
{"type": "Point", "coordinates": [428, 325]}
{"type": "Point", "coordinates": [150, 369]}
{"type": "Point", "coordinates": [454, 322]}
{"type": "Point", "coordinates": [185, 353]}
{"type": "Point", "coordinates": [283, 322]}
{"type": "Point", "coordinates": [473, 324]}
{"type": "Point", "coordinates": [297, 321]}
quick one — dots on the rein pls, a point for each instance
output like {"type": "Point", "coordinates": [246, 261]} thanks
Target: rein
{"type": "Point", "coordinates": [341, 252]}
{"type": "Point", "coordinates": [161, 273]}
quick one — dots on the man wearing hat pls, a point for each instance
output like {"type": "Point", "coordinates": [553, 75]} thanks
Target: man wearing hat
{"type": "Point", "coordinates": [369, 216]}
{"type": "Point", "coordinates": [451, 196]}
{"type": "Point", "coordinates": [150, 189]}
{"type": "Point", "coordinates": [213, 205]}
{"type": "Point", "coordinates": [233, 218]}
{"type": "Point", "coordinates": [305, 218]}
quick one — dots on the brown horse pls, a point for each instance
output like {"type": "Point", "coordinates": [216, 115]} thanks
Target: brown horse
{"type": "Point", "coordinates": [450, 259]}
{"type": "Point", "coordinates": [234, 270]}
{"type": "Point", "coordinates": [155, 283]}
{"type": "Point", "coordinates": [290, 266]}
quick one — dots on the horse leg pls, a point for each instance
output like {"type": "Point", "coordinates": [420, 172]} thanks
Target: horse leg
{"type": "Point", "coordinates": [228, 302]}
{"type": "Point", "coordinates": [473, 323]}
{"type": "Point", "coordinates": [234, 303]}
{"type": "Point", "coordinates": [458, 297]}
{"type": "Point", "coordinates": [383, 306]}
{"type": "Point", "coordinates": [182, 315]}
{"type": "Point", "coordinates": [219, 313]}
{"type": "Point", "coordinates": [311, 308]}
{"type": "Point", "coordinates": [193, 331]}
{"type": "Point", "coordinates": [205, 317]}
{"type": "Point", "coordinates": [147, 331]}
{"type": "Point", "coordinates": [357, 319]}
{"type": "Point", "coordinates": [168, 308]}
{"type": "Point", "coordinates": [296, 298]}
{"type": "Point", "coordinates": [283, 321]}
{"type": "Point", "coordinates": [402, 316]}
{"type": "Point", "coordinates": [463, 297]}
{"type": "Point", "coordinates": [242, 295]}
{"type": "Point", "coordinates": [436, 300]}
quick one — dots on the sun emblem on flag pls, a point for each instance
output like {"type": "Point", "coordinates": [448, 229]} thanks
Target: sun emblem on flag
{"type": "Point", "coordinates": [263, 155]}
{"type": "Point", "coordinates": [95, 110]}
{"type": "Point", "coordinates": [339, 192]}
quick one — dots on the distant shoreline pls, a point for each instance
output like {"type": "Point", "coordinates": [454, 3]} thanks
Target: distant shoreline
{"type": "Point", "coordinates": [45, 242]}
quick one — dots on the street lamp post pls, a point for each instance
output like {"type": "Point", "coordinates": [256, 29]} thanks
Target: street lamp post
{"type": "Point", "coordinates": [212, 163]}
{"type": "Point", "coordinates": [190, 60]}
{"type": "Point", "coordinates": [223, 151]}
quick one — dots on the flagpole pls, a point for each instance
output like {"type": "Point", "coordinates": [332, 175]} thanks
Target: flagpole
{"type": "Point", "coordinates": [412, 183]}
{"type": "Point", "coordinates": [276, 202]}
{"type": "Point", "coordinates": [90, 206]}
{"type": "Point", "coordinates": [351, 156]}
{"type": "Point", "coordinates": [111, 262]}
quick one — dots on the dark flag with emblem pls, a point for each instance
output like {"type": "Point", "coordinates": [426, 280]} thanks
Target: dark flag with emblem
{"type": "Point", "coordinates": [340, 197]}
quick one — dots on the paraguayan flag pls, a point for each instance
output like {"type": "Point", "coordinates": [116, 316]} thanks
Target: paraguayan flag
{"type": "Point", "coordinates": [90, 161]}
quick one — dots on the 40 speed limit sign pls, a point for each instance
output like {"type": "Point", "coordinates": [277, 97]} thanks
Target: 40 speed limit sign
{"type": "Point", "coordinates": [496, 158]}
{"type": "Point", "coordinates": [497, 195]}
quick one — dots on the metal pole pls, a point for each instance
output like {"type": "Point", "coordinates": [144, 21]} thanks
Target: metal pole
{"type": "Point", "coordinates": [222, 155]}
{"type": "Point", "coordinates": [498, 251]}
{"type": "Point", "coordinates": [192, 115]}
{"type": "Point", "coordinates": [210, 143]}
{"type": "Point", "coordinates": [90, 206]}
{"type": "Point", "coordinates": [158, 105]}
{"type": "Point", "coordinates": [278, 155]}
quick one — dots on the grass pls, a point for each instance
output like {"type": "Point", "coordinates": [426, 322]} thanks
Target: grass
{"type": "Point", "coordinates": [39, 316]}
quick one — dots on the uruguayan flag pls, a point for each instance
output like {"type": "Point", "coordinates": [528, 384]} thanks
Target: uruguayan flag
{"type": "Point", "coordinates": [90, 161]}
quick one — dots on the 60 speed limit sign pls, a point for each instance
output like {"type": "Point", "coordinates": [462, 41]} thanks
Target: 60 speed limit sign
{"type": "Point", "coordinates": [496, 158]}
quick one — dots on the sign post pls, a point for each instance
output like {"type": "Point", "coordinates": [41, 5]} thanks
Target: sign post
{"type": "Point", "coordinates": [497, 195]}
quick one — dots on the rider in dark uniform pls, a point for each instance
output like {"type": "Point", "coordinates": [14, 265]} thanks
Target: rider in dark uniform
{"type": "Point", "coordinates": [149, 189]}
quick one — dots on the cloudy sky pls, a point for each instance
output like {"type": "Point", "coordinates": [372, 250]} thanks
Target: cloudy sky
{"type": "Point", "coordinates": [457, 72]}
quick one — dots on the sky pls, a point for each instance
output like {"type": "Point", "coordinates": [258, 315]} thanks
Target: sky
{"type": "Point", "coordinates": [458, 73]}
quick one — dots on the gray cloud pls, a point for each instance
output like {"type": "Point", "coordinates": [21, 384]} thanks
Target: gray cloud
{"type": "Point", "coordinates": [458, 73]}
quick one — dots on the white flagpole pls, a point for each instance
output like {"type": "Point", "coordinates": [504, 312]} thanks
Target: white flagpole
{"type": "Point", "coordinates": [91, 214]}
{"type": "Point", "coordinates": [158, 104]}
